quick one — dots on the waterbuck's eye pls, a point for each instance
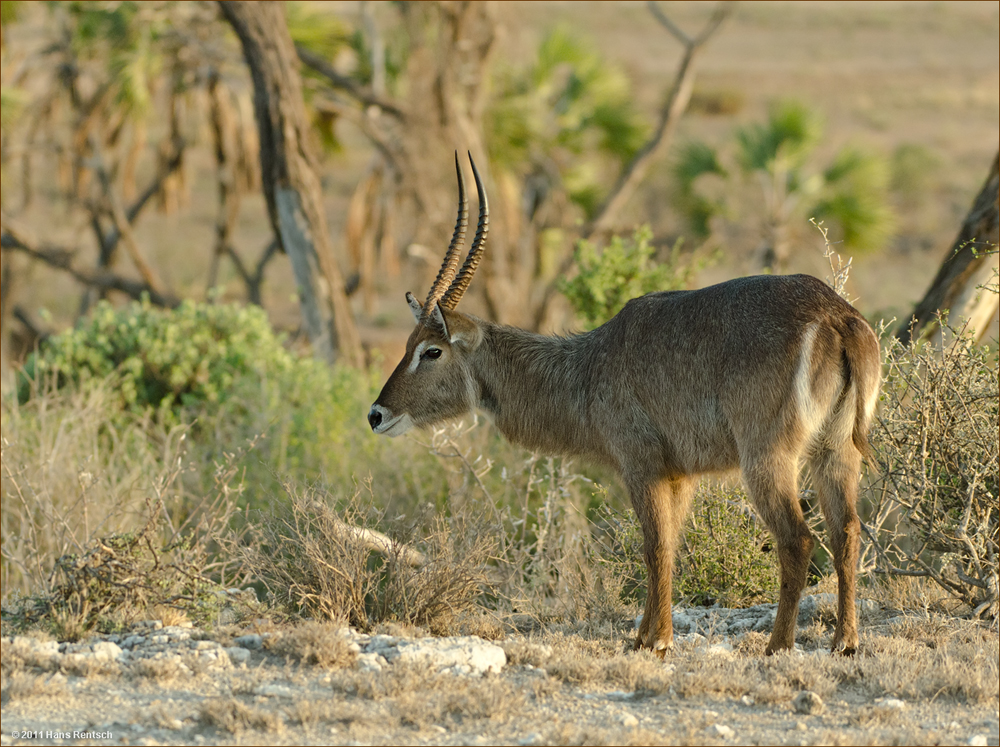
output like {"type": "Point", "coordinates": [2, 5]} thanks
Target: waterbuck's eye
{"type": "Point", "coordinates": [431, 353]}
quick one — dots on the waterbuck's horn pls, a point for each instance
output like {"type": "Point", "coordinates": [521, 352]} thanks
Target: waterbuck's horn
{"type": "Point", "coordinates": [446, 274]}
{"type": "Point", "coordinates": [461, 283]}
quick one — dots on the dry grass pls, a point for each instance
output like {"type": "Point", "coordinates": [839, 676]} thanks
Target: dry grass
{"type": "Point", "coordinates": [24, 685]}
{"type": "Point", "coordinates": [320, 644]}
{"type": "Point", "coordinates": [99, 529]}
{"type": "Point", "coordinates": [161, 671]}
{"type": "Point", "coordinates": [237, 718]}
{"type": "Point", "coordinates": [936, 658]}
{"type": "Point", "coordinates": [458, 700]}
{"type": "Point", "coordinates": [18, 654]}
{"type": "Point", "coordinates": [316, 561]}
{"type": "Point", "coordinates": [310, 713]}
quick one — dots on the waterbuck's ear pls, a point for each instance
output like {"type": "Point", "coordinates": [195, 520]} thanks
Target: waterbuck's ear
{"type": "Point", "coordinates": [463, 331]}
{"type": "Point", "coordinates": [437, 317]}
{"type": "Point", "coordinates": [415, 306]}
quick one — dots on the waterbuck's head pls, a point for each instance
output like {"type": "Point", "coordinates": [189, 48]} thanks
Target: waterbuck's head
{"type": "Point", "coordinates": [433, 381]}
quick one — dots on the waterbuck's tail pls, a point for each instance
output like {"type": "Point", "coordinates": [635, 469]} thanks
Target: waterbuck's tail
{"type": "Point", "coordinates": [862, 364]}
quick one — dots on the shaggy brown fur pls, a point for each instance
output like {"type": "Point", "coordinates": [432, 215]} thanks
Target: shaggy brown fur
{"type": "Point", "coordinates": [759, 373]}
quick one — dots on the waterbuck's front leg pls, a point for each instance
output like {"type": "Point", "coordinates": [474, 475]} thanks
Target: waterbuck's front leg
{"type": "Point", "coordinates": [661, 506]}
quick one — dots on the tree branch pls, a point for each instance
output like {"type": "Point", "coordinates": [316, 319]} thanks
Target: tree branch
{"type": "Point", "coordinates": [633, 174]}
{"type": "Point", "coordinates": [13, 238]}
{"type": "Point", "coordinates": [363, 94]}
{"type": "Point", "coordinates": [671, 113]}
{"type": "Point", "coordinates": [122, 223]}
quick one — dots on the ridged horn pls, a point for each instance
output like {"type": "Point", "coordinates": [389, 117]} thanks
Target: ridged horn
{"type": "Point", "coordinates": [446, 274]}
{"type": "Point", "coordinates": [461, 283]}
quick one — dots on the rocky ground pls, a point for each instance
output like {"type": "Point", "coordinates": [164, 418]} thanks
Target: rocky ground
{"type": "Point", "coordinates": [918, 679]}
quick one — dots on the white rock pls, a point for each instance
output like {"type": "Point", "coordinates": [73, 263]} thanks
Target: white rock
{"type": "Point", "coordinates": [619, 695]}
{"type": "Point", "coordinates": [724, 649]}
{"type": "Point", "coordinates": [238, 654]}
{"type": "Point", "coordinates": [380, 643]}
{"type": "Point", "coordinates": [629, 721]}
{"type": "Point", "coordinates": [177, 632]}
{"type": "Point", "coordinates": [894, 704]}
{"type": "Point", "coordinates": [371, 662]}
{"type": "Point", "coordinates": [106, 651]}
{"type": "Point", "coordinates": [457, 654]}
{"type": "Point", "coordinates": [978, 741]}
{"type": "Point", "coordinates": [721, 730]}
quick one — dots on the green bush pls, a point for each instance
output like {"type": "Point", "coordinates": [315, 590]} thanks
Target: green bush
{"type": "Point", "coordinates": [625, 269]}
{"type": "Point", "coordinates": [164, 360]}
{"type": "Point", "coordinates": [223, 373]}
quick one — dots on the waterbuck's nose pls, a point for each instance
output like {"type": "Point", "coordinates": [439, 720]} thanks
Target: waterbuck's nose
{"type": "Point", "coordinates": [374, 417]}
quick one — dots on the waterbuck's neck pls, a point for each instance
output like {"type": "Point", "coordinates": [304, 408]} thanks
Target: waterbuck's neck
{"type": "Point", "coordinates": [536, 388]}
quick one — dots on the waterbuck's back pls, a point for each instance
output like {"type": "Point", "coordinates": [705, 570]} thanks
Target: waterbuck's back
{"type": "Point", "coordinates": [695, 381]}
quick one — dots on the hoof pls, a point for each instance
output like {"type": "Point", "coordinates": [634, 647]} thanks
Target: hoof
{"type": "Point", "coordinates": [773, 649]}
{"type": "Point", "coordinates": [659, 649]}
{"type": "Point", "coordinates": [848, 651]}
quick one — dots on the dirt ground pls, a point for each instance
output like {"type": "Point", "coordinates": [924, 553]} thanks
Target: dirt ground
{"type": "Point", "coordinates": [918, 679]}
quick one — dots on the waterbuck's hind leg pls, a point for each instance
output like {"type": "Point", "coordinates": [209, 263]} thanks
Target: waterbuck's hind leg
{"type": "Point", "coordinates": [661, 507]}
{"type": "Point", "coordinates": [836, 472]}
{"type": "Point", "coordinates": [772, 484]}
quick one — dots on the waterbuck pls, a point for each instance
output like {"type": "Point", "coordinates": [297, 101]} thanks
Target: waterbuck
{"type": "Point", "coordinates": [760, 373]}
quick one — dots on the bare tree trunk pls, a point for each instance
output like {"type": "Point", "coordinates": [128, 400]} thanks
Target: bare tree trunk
{"type": "Point", "coordinates": [965, 286]}
{"type": "Point", "coordinates": [288, 174]}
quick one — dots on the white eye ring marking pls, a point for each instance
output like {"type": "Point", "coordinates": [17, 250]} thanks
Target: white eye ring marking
{"type": "Point", "coordinates": [417, 353]}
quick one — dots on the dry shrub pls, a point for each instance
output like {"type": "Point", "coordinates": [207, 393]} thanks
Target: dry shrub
{"type": "Point", "coordinates": [25, 685]}
{"type": "Point", "coordinates": [696, 674]}
{"type": "Point", "coordinates": [575, 668]}
{"type": "Point", "coordinates": [877, 715]}
{"type": "Point", "coordinates": [966, 669]}
{"type": "Point", "coordinates": [460, 699]}
{"type": "Point", "coordinates": [641, 671]}
{"type": "Point", "coordinates": [315, 561]}
{"type": "Point", "coordinates": [751, 645]}
{"type": "Point", "coordinates": [934, 491]}
{"type": "Point", "coordinates": [321, 644]}
{"type": "Point", "coordinates": [579, 661]}
{"type": "Point", "coordinates": [17, 654]}
{"type": "Point", "coordinates": [402, 677]}
{"type": "Point", "coordinates": [521, 651]}
{"type": "Point", "coordinates": [237, 718]}
{"type": "Point", "coordinates": [160, 671]}
{"type": "Point", "coordinates": [311, 713]}
{"type": "Point", "coordinates": [74, 492]}
{"type": "Point", "coordinates": [814, 673]}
